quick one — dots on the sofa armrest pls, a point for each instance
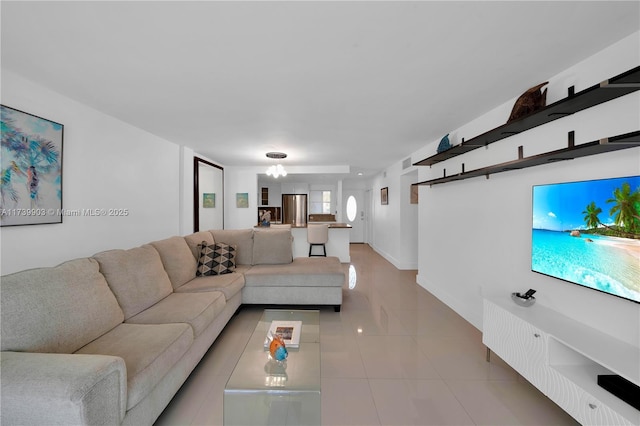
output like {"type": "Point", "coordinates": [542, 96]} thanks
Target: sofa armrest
{"type": "Point", "coordinates": [46, 388]}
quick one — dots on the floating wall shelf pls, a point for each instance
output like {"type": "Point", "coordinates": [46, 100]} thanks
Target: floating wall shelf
{"type": "Point", "coordinates": [615, 87]}
{"type": "Point", "coordinates": [615, 143]}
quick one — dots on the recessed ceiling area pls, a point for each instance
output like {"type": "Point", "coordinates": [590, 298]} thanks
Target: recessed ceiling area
{"type": "Point", "coordinates": [363, 84]}
{"type": "Point", "coordinates": [328, 179]}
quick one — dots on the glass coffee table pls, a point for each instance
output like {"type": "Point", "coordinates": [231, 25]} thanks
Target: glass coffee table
{"type": "Point", "coordinates": [262, 392]}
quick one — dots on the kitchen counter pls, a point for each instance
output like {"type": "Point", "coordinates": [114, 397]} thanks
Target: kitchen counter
{"type": "Point", "coordinates": [337, 245]}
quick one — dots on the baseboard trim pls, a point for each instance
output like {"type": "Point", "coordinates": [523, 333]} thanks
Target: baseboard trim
{"type": "Point", "coordinates": [403, 266]}
{"type": "Point", "coordinates": [449, 300]}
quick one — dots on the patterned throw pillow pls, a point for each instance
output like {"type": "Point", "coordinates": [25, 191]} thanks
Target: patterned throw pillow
{"type": "Point", "coordinates": [216, 259]}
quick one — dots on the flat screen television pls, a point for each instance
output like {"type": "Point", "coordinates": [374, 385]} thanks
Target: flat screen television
{"type": "Point", "coordinates": [588, 233]}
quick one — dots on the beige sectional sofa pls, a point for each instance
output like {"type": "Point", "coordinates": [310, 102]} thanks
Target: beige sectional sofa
{"type": "Point", "coordinates": [111, 338]}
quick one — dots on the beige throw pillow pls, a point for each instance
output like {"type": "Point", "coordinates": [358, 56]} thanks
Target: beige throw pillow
{"type": "Point", "coordinates": [272, 247]}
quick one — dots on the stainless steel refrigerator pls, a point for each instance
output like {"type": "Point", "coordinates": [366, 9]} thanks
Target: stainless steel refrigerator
{"type": "Point", "coordinates": [294, 209]}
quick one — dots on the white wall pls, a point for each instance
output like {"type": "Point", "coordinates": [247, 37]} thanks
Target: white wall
{"type": "Point", "coordinates": [386, 218]}
{"type": "Point", "coordinates": [475, 235]}
{"type": "Point", "coordinates": [186, 191]}
{"type": "Point", "coordinates": [409, 243]}
{"type": "Point", "coordinates": [106, 164]}
{"type": "Point", "coordinates": [395, 224]}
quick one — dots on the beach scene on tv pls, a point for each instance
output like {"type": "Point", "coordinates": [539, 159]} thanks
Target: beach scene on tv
{"type": "Point", "coordinates": [588, 233]}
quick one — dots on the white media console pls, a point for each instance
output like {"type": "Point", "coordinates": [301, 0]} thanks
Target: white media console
{"type": "Point", "coordinates": [562, 358]}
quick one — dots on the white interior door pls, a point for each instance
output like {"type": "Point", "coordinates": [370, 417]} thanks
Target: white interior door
{"type": "Point", "coordinates": [354, 213]}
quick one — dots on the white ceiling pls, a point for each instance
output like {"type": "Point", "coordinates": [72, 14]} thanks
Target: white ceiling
{"type": "Point", "coordinates": [362, 83]}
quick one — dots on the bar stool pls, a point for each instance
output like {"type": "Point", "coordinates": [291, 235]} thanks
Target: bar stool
{"type": "Point", "coordinates": [318, 235]}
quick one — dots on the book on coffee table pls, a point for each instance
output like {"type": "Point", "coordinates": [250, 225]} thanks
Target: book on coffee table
{"type": "Point", "coordinates": [289, 330]}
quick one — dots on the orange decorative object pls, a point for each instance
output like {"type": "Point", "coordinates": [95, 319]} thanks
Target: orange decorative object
{"type": "Point", "coordinates": [277, 348]}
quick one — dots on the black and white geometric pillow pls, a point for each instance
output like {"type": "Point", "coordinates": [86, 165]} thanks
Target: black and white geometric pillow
{"type": "Point", "coordinates": [216, 259]}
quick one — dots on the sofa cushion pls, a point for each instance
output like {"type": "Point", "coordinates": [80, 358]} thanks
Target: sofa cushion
{"type": "Point", "coordinates": [241, 238]}
{"type": "Point", "coordinates": [177, 259]}
{"type": "Point", "coordinates": [149, 351]}
{"type": "Point", "coordinates": [272, 246]}
{"type": "Point", "coordinates": [216, 259]}
{"type": "Point", "coordinates": [196, 309]}
{"type": "Point", "coordinates": [58, 309]}
{"type": "Point", "coordinates": [195, 239]}
{"type": "Point", "coordinates": [229, 284]}
{"type": "Point", "coordinates": [302, 272]}
{"type": "Point", "coordinates": [136, 276]}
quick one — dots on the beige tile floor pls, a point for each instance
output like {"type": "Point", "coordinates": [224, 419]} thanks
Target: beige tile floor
{"type": "Point", "coordinates": [395, 355]}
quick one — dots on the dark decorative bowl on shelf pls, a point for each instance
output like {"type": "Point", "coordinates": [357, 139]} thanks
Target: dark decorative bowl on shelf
{"type": "Point", "coordinates": [521, 300]}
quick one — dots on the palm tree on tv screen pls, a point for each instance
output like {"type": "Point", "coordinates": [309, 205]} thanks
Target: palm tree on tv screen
{"type": "Point", "coordinates": [591, 213]}
{"type": "Point", "coordinates": [626, 212]}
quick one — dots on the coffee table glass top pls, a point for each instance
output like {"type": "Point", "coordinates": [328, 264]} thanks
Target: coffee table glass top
{"type": "Point", "coordinates": [262, 391]}
{"type": "Point", "coordinates": [255, 370]}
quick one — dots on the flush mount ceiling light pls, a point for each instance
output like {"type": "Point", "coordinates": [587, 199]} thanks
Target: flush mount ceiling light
{"type": "Point", "coordinates": [276, 170]}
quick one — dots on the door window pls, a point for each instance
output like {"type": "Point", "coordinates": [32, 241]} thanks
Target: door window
{"type": "Point", "coordinates": [352, 208]}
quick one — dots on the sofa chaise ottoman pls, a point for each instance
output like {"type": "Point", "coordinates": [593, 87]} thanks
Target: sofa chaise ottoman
{"type": "Point", "coordinates": [273, 276]}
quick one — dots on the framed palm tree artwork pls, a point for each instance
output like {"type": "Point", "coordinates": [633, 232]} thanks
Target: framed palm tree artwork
{"type": "Point", "coordinates": [31, 174]}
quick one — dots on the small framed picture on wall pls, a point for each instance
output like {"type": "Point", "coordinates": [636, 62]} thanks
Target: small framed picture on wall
{"type": "Point", "coordinates": [384, 196]}
{"type": "Point", "coordinates": [242, 200]}
{"type": "Point", "coordinates": [209, 200]}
